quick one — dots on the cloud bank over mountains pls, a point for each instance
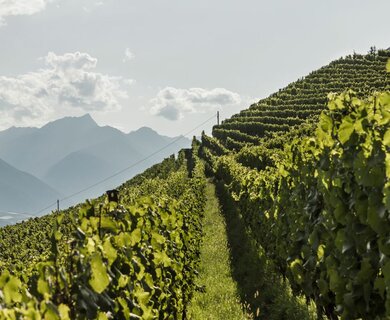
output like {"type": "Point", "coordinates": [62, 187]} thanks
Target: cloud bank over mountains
{"type": "Point", "coordinates": [20, 7]}
{"type": "Point", "coordinates": [172, 103]}
{"type": "Point", "coordinates": [69, 81]}
{"type": "Point", "coordinates": [70, 84]}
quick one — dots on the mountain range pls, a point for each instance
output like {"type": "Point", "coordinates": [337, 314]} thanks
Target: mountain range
{"type": "Point", "coordinates": [40, 165]}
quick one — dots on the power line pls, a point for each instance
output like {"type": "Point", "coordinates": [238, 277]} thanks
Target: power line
{"type": "Point", "coordinates": [125, 169]}
{"type": "Point", "coordinates": [17, 213]}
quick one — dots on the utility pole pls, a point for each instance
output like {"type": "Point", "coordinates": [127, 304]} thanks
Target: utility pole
{"type": "Point", "coordinates": [217, 118]}
{"type": "Point", "coordinates": [58, 205]}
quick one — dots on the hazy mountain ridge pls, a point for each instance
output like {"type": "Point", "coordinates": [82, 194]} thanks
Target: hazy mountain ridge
{"type": "Point", "coordinates": [47, 145]}
{"type": "Point", "coordinates": [21, 192]}
{"type": "Point", "coordinates": [73, 153]}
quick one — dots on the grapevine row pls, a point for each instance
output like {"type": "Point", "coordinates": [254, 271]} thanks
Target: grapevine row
{"type": "Point", "coordinates": [321, 208]}
{"type": "Point", "coordinates": [129, 260]}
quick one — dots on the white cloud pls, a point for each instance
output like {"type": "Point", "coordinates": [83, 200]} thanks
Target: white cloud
{"type": "Point", "coordinates": [20, 7]}
{"type": "Point", "coordinates": [89, 7]}
{"type": "Point", "coordinates": [67, 81]}
{"type": "Point", "coordinates": [172, 103]}
{"type": "Point", "coordinates": [128, 55]}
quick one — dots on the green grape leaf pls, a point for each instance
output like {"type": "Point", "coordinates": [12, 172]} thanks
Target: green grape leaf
{"type": "Point", "coordinates": [157, 240]}
{"type": "Point", "coordinates": [108, 224]}
{"type": "Point", "coordinates": [346, 129]}
{"type": "Point", "coordinates": [123, 240]}
{"type": "Point", "coordinates": [148, 313]}
{"type": "Point", "coordinates": [358, 126]}
{"type": "Point", "coordinates": [336, 283]}
{"type": "Point", "coordinates": [64, 311]}
{"type": "Point", "coordinates": [384, 102]}
{"type": "Point", "coordinates": [323, 286]}
{"type": "Point", "coordinates": [109, 251]}
{"type": "Point", "coordinates": [43, 288]}
{"type": "Point", "coordinates": [4, 277]}
{"type": "Point", "coordinates": [297, 270]}
{"type": "Point", "coordinates": [30, 314]}
{"type": "Point", "coordinates": [320, 252]}
{"type": "Point", "coordinates": [91, 246]}
{"type": "Point", "coordinates": [60, 218]}
{"type": "Point", "coordinates": [11, 290]}
{"type": "Point", "coordinates": [325, 122]}
{"type": "Point", "coordinates": [340, 212]}
{"type": "Point", "coordinates": [335, 102]}
{"type": "Point", "coordinates": [376, 214]}
{"type": "Point", "coordinates": [386, 138]}
{"type": "Point", "coordinates": [136, 236]}
{"type": "Point", "coordinates": [99, 277]}
{"type": "Point", "coordinates": [162, 258]}
{"type": "Point", "coordinates": [51, 314]}
{"type": "Point", "coordinates": [102, 316]}
{"type": "Point", "coordinates": [125, 308]}
{"type": "Point", "coordinates": [340, 239]}
{"type": "Point", "coordinates": [123, 281]}
{"type": "Point", "coordinates": [143, 298]}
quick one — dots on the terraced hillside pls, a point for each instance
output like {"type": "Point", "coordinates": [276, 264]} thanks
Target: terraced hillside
{"type": "Point", "coordinates": [304, 99]}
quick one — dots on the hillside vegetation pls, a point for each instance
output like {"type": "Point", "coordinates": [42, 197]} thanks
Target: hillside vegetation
{"type": "Point", "coordinates": [305, 176]}
{"type": "Point", "coordinates": [304, 99]}
{"type": "Point", "coordinates": [316, 198]}
{"type": "Point", "coordinates": [103, 260]}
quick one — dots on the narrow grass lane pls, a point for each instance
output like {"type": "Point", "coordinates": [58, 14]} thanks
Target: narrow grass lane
{"type": "Point", "coordinates": [220, 299]}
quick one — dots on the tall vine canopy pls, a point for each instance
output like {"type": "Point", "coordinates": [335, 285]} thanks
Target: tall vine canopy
{"type": "Point", "coordinates": [309, 168]}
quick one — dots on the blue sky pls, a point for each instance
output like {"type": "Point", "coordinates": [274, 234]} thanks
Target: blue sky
{"type": "Point", "coordinates": [168, 64]}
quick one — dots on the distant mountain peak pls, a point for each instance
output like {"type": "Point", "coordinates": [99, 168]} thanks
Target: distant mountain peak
{"type": "Point", "coordinates": [15, 128]}
{"type": "Point", "coordinates": [145, 130]}
{"type": "Point", "coordinates": [87, 116]}
{"type": "Point", "coordinates": [84, 121]}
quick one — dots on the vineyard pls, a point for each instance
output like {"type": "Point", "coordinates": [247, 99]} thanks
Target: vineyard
{"type": "Point", "coordinates": [308, 170]}
{"type": "Point", "coordinates": [302, 101]}
{"type": "Point", "coordinates": [129, 260]}
{"type": "Point", "coordinates": [316, 195]}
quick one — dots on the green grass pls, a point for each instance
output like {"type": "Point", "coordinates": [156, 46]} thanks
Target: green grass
{"type": "Point", "coordinates": [238, 281]}
{"type": "Point", "coordinates": [220, 298]}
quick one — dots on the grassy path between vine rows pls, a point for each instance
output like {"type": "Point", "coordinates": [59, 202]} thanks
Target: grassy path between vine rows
{"type": "Point", "coordinates": [266, 295]}
{"type": "Point", "coordinates": [220, 299]}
